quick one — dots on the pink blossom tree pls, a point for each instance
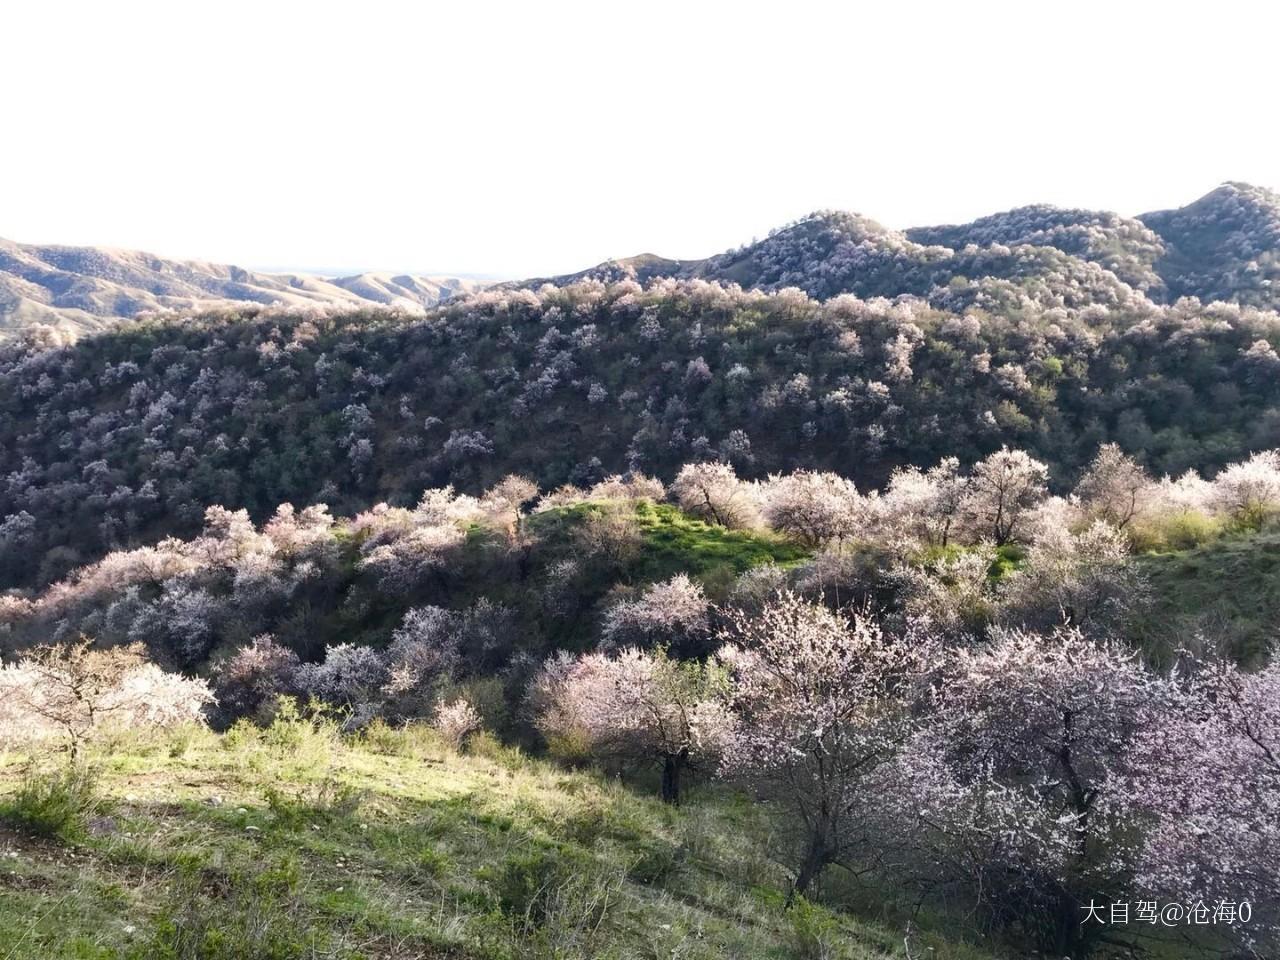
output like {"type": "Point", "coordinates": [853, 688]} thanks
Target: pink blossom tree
{"type": "Point", "coordinates": [631, 487]}
{"type": "Point", "coordinates": [1018, 785]}
{"type": "Point", "coordinates": [822, 701]}
{"type": "Point", "coordinates": [503, 505]}
{"type": "Point", "coordinates": [456, 720]}
{"type": "Point", "coordinates": [712, 491]}
{"type": "Point", "coordinates": [1211, 781]}
{"type": "Point", "coordinates": [673, 613]}
{"type": "Point", "coordinates": [255, 676]}
{"type": "Point", "coordinates": [815, 508]}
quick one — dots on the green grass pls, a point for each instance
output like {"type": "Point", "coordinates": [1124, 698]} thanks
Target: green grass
{"type": "Point", "coordinates": [674, 542]}
{"type": "Point", "coordinates": [308, 844]}
{"type": "Point", "coordinates": [56, 805]}
{"type": "Point", "coordinates": [1229, 588]}
{"type": "Point", "coordinates": [677, 543]}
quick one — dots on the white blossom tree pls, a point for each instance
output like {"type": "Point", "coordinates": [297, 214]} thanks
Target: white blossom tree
{"type": "Point", "coordinates": [1084, 580]}
{"type": "Point", "coordinates": [954, 594]}
{"type": "Point", "coordinates": [632, 486]}
{"type": "Point", "coordinates": [636, 705]}
{"type": "Point", "coordinates": [402, 564]}
{"type": "Point", "coordinates": [1114, 488]}
{"type": "Point", "coordinates": [1249, 492]}
{"type": "Point", "coordinates": [1002, 492]}
{"type": "Point", "coordinates": [712, 491]}
{"type": "Point", "coordinates": [76, 689]}
{"type": "Point", "coordinates": [350, 676]}
{"type": "Point", "coordinates": [926, 504]}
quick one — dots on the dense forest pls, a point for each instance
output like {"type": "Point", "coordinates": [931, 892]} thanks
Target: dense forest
{"type": "Point", "coordinates": [127, 436]}
{"type": "Point", "coordinates": [946, 558]}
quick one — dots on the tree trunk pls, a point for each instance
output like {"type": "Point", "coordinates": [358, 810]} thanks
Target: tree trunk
{"type": "Point", "coordinates": [672, 766]}
{"type": "Point", "coordinates": [814, 860]}
{"type": "Point", "coordinates": [1070, 936]}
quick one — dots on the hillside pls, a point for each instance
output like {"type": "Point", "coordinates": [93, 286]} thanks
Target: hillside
{"type": "Point", "coordinates": [1127, 247]}
{"type": "Point", "coordinates": [126, 437]}
{"type": "Point", "coordinates": [1224, 246]}
{"type": "Point", "coordinates": [832, 252]}
{"type": "Point", "coordinates": [79, 290]}
{"type": "Point", "coordinates": [297, 843]}
{"type": "Point", "coordinates": [819, 601]}
{"type": "Point", "coordinates": [355, 829]}
{"type": "Point", "coordinates": [1190, 601]}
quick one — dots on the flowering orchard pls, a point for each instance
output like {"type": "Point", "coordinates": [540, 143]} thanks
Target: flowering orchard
{"type": "Point", "coordinates": [937, 684]}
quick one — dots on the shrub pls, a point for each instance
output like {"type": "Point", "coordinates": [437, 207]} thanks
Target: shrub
{"type": "Point", "coordinates": [431, 862]}
{"type": "Point", "coordinates": [456, 721]}
{"type": "Point", "coordinates": [378, 736]}
{"type": "Point", "coordinates": [814, 934]}
{"type": "Point", "coordinates": [258, 915]}
{"type": "Point", "coordinates": [56, 804]}
{"type": "Point", "coordinates": [552, 904]}
{"type": "Point", "coordinates": [305, 737]}
{"type": "Point", "coordinates": [1190, 530]}
{"type": "Point", "coordinates": [326, 802]}
{"type": "Point", "coordinates": [656, 863]}
{"type": "Point", "coordinates": [485, 745]}
{"type": "Point", "coordinates": [524, 884]}
{"type": "Point", "coordinates": [244, 732]}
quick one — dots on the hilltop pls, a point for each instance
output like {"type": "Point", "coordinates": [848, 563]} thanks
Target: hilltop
{"type": "Point", "coordinates": [128, 436]}
{"type": "Point", "coordinates": [1223, 246]}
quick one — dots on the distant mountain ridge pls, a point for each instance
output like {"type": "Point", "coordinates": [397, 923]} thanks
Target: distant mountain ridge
{"type": "Point", "coordinates": [1224, 246]}
{"type": "Point", "coordinates": [78, 290]}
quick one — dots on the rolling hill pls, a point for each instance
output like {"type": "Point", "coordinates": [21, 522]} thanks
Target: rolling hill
{"type": "Point", "coordinates": [78, 290]}
{"type": "Point", "coordinates": [1224, 246]}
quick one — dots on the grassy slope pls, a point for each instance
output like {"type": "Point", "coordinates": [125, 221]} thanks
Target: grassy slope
{"type": "Point", "coordinates": [1229, 587]}
{"type": "Point", "coordinates": [301, 844]}
{"type": "Point", "coordinates": [674, 542]}
{"type": "Point", "coordinates": [678, 543]}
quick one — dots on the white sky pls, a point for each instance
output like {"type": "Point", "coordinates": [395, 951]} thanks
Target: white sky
{"type": "Point", "coordinates": [536, 137]}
